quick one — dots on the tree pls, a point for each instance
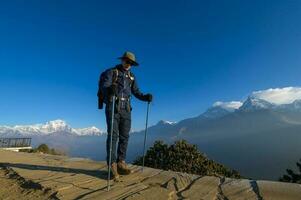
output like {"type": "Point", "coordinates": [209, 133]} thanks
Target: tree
{"type": "Point", "coordinates": [183, 157]}
{"type": "Point", "coordinates": [43, 148]}
{"type": "Point", "coordinates": [291, 176]}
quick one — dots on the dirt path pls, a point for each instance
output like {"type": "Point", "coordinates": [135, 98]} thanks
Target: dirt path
{"type": "Point", "coordinates": [13, 186]}
{"type": "Point", "coordinates": [25, 176]}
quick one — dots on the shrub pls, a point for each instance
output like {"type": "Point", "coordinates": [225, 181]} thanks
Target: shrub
{"type": "Point", "coordinates": [183, 157]}
{"type": "Point", "coordinates": [291, 176]}
{"type": "Point", "coordinates": [43, 148]}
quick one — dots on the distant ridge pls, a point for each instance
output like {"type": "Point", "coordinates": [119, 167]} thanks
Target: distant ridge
{"type": "Point", "coordinates": [51, 127]}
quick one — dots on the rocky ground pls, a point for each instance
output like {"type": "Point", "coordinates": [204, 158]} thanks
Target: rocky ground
{"type": "Point", "coordinates": [38, 176]}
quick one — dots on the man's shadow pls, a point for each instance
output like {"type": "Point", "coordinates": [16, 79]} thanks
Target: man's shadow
{"type": "Point", "coordinates": [101, 174]}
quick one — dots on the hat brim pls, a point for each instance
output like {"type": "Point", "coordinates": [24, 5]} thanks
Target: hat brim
{"type": "Point", "coordinates": [134, 63]}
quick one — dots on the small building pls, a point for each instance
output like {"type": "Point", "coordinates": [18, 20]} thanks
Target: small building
{"type": "Point", "coordinates": [15, 144]}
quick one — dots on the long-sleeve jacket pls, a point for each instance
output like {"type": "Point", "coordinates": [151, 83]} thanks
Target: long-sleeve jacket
{"type": "Point", "coordinates": [126, 83]}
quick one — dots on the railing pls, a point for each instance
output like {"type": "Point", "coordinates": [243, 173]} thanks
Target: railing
{"type": "Point", "coordinates": [15, 142]}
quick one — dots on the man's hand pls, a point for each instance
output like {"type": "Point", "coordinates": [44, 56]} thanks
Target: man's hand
{"type": "Point", "coordinates": [113, 90]}
{"type": "Point", "coordinates": [148, 98]}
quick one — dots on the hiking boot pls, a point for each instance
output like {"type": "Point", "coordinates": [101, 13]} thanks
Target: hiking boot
{"type": "Point", "coordinates": [114, 171]}
{"type": "Point", "coordinates": [122, 168]}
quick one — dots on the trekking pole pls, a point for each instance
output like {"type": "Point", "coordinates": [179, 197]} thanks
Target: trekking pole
{"type": "Point", "coordinates": [111, 142]}
{"type": "Point", "coordinates": [145, 132]}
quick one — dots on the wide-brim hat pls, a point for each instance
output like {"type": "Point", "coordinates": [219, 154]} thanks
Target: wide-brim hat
{"type": "Point", "coordinates": [129, 56]}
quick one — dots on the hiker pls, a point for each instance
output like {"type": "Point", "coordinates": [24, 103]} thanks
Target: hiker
{"type": "Point", "coordinates": [119, 82]}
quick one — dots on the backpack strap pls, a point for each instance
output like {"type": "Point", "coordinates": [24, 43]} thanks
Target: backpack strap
{"type": "Point", "coordinates": [115, 75]}
{"type": "Point", "coordinates": [131, 76]}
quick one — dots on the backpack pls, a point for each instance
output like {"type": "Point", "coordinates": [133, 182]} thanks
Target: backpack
{"type": "Point", "coordinates": [100, 92]}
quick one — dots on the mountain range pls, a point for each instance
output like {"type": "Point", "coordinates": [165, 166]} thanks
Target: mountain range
{"type": "Point", "coordinates": [51, 127]}
{"type": "Point", "coordinates": [260, 136]}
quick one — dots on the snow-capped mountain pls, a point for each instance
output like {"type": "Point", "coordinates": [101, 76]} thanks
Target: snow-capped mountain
{"type": "Point", "coordinates": [253, 103]}
{"type": "Point", "coordinates": [273, 98]}
{"type": "Point", "coordinates": [295, 106]}
{"type": "Point", "coordinates": [220, 109]}
{"type": "Point", "coordinates": [49, 128]}
{"type": "Point", "coordinates": [265, 128]}
{"type": "Point", "coordinates": [164, 122]}
{"type": "Point", "coordinates": [88, 131]}
{"type": "Point", "coordinates": [279, 96]}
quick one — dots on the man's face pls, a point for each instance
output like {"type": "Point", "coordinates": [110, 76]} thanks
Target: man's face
{"type": "Point", "coordinates": [127, 64]}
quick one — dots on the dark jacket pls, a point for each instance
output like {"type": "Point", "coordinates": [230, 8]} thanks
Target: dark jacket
{"type": "Point", "coordinates": [126, 84]}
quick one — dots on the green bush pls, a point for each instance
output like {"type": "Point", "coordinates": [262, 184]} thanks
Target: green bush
{"type": "Point", "coordinates": [291, 176]}
{"type": "Point", "coordinates": [183, 157]}
{"type": "Point", "coordinates": [43, 148]}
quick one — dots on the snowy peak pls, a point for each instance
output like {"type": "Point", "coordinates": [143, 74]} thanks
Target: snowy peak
{"type": "Point", "coordinates": [287, 98]}
{"type": "Point", "coordinates": [163, 122]}
{"type": "Point", "coordinates": [215, 112]}
{"type": "Point", "coordinates": [229, 106]}
{"type": "Point", "coordinates": [220, 109]}
{"type": "Point", "coordinates": [279, 96]}
{"type": "Point", "coordinates": [49, 128]}
{"type": "Point", "coordinates": [295, 106]}
{"type": "Point", "coordinates": [253, 103]}
{"type": "Point", "coordinates": [55, 126]}
{"type": "Point", "coordinates": [90, 131]}
{"type": "Point", "coordinates": [273, 98]}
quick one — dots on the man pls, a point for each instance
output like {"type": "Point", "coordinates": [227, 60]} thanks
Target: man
{"type": "Point", "coordinates": [120, 82]}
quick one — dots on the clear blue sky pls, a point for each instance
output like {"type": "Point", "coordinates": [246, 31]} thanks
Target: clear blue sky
{"type": "Point", "coordinates": [192, 53]}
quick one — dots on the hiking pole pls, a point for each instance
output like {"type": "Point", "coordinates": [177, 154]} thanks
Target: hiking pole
{"type": "Point", "coordinates": [111, 142]}
{"type": "Point", "coordinates": [145, 132]}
